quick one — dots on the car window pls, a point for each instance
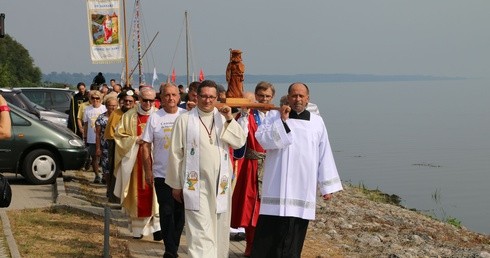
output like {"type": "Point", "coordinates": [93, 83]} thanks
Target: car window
{"type": "Point", "coordinates": [18, 121]}
{"type": "Point", "coordinates": [37, 97]}
{"type": "Point", "coordinates": [59, 98]}
{"type": "Point", "coordinates": [25, 101]}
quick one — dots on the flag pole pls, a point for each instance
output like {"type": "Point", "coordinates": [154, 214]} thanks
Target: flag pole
{"type": "Point", "coordinates": [125, 44]}
{"type": "Point", "coordinates": [187, 48]}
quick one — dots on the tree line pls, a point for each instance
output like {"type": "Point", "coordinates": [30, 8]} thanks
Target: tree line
{"type": "Point", "coordinates": [16, 65]}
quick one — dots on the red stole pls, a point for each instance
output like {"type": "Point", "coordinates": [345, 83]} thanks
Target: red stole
{"type": "Point", "coordinates": [245, 200]}
{"type": "Point", "coordinates": [145, 191]}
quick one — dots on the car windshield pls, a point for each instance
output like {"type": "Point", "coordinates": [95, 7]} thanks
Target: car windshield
{"type": "Point", "coordinates": [20, 110]}
{"type": "Point", "coordinates": [30, 103]}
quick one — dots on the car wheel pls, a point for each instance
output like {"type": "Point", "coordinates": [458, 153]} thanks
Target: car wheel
{"type": "Point", "coordinates": [41, 167]}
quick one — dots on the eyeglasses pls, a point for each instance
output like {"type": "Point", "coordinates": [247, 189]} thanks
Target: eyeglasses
{"type": "Point", "coordinates": [95, 98]}
{"type": "Point", "coordinates": [129, 100]}
{"type": "Point", "coordinates": [148, 100]}
{"type": "Point", "coordinates": [207, 97]}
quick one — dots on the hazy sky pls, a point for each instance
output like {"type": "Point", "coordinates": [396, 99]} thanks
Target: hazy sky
{"type": "Point", "coordinates": [416, 37]}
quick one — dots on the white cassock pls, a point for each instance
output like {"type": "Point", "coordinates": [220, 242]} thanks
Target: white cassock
{"type": "Point", "coordinates": [207, 226]}
{"type": "Point", "coordinates": [296, 164]}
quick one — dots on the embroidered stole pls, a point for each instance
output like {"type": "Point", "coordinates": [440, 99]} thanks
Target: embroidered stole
{"type": "Point", "coordinates": [192, 177]}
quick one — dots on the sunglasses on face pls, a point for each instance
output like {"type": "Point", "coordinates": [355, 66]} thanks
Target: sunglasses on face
{"type": "Point", "coordinates": [148, 100]}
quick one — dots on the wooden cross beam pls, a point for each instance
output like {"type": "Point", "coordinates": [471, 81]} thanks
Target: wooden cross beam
{"type": "Point", "coordinates": [245, 103]}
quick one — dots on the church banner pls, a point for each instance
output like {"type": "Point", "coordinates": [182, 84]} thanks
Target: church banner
{"type": "Point", "coordinates": [104, 31]}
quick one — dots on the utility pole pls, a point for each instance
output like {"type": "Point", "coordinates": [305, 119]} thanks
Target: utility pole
{"type": "Point", "coordinates": [2, 25]}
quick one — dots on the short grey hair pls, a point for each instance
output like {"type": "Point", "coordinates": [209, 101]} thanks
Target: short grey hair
{"type": "Point", "coordinates": [166, 85]}
{"type": "Point", "coordinates": [147, 89]}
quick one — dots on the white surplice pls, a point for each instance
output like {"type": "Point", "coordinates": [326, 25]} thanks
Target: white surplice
{"type": "Point", "coordinates": [207, 231]}
{"type": "Point", "coordinates": [296, 163]}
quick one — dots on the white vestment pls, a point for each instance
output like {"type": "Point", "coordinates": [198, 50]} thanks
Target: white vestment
{"type": "Point", "coordinates": [207, 230]}
{"type": "Point", "coordinates": [296, 163]}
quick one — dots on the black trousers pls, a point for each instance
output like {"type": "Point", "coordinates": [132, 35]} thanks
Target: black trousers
{"type": "Point", "coordinates": [171, 216]}
{"type": "Point", "coordinates": [111, 183]}
{"type": "Point", "coordinates": [277, 236]}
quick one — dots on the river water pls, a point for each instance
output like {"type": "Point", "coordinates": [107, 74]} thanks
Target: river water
{"type": "Point", "coordinates": [425, 141]}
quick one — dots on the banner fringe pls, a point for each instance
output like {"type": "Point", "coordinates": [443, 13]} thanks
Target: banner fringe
{"type": "Point", "coordinates": [107, 61]}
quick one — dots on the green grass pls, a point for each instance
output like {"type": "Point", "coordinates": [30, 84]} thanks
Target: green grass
{"type": "Point", "coordinates": [61, 231]}
{"type": "Point", "coordinates": [454, 221]}
{"type": "Point", "coordinates": [378, 196]}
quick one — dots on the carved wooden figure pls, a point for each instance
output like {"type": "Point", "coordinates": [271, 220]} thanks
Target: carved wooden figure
{"type": "Point", "coordinates": [234, 74]}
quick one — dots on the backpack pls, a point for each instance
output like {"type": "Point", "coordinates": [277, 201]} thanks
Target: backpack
{"type": "Point", "coordinates": [5, 192]}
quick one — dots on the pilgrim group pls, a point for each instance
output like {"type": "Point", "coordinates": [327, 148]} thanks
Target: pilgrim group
{"type": "Point", "coordinates": [178, 159]}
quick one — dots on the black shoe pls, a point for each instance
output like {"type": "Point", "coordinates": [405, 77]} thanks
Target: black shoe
{"type": "Point", "coordinates": [157, 236]}
{"type": "Point", "coordinates": [237, 237]}
{"type": "Point", "coordinates": [140, 237]}
{"type": "Point", "coordinates": [170, 255]}
{"type": "Point", "coordinates": [87, 165]}
{"type": "Point", "coordinates": [97, 180]}
{"type": "Point", "coordinates": [114, 199]}
{"type": "Point", "coordinates": [240, 236]}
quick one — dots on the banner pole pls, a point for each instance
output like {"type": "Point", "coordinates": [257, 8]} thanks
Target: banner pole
{"type": "Point", "coordinates": [125, 44]}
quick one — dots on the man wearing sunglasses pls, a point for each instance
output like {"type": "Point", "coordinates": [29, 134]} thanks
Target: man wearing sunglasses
{"type": "Point", "coordinates": [137, 196]}
{"type": "Point", "coordinates": [127, 100]}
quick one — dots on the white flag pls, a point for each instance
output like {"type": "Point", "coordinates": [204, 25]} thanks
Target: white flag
{"type": "Point", "coordinates": [155, 76]}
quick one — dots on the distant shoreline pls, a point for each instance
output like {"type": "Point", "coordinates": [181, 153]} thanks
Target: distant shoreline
{"type": "Point", "coordinates": [74, 78]}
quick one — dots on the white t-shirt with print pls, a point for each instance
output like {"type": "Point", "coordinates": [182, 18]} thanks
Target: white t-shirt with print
{"type": "Point", "coordinates": [158, 131]}
{"type": "Point", "coordinates": [89, 116]}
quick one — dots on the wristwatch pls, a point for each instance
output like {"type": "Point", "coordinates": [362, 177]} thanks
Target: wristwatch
{"type": "Point", "coordinates": [4, 108]}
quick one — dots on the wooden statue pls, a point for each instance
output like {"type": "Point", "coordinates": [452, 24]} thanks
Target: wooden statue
{"type": "Point", "coordinates": [234, 74]}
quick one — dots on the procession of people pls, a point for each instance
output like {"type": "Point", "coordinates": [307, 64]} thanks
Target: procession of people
{"type": "Point", "coordinates": [206, 165]}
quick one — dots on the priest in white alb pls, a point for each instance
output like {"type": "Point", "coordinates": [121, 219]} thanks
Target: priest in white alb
{"type": "Point", "coordinates": [299, 161]}
{"type": "Point", "coordinates": [200, 172]}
